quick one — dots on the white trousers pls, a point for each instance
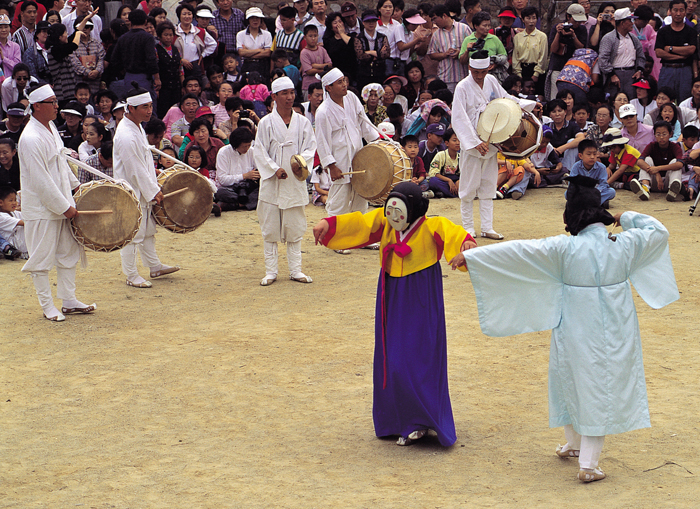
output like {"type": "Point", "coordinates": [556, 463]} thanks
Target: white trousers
{"type": "Point", "coordinates": [281, 225]}
{"type": "Point", "coordinates": [478, 177]}
{"type": "Point", "coordinates": [144, 242]}
{"type": "Point", "coordinates": [65, 286]}
{"type": "Point", "coordinates": [589, 447]}
{"type": "Point", "coordinates": [342, 199]}
{"type": "Point", "coordinates": [670, 175]}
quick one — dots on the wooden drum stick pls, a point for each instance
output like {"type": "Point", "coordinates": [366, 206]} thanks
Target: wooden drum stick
{"type": "Point", "coordinates": [175, 192]}
{"type": "Point", "coordinates": [93, 212]}
{"type": "Point", "coordinates": [353, 172]}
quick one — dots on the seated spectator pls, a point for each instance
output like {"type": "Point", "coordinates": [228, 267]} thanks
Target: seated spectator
{"type": "Point", "coordinates": [665, 160]}
{"type": "Point", "coordinates": [667, 95]}
{"type": "Point", "coordinates": [105, 101]}
{"type": "Point", "coordinates": [589, 166]}
{"type": "Point", "coordinates": [566, 135]}
{"type": "Point", "coordinates": [9, 164]}
{"type": "Point", "coordinates": [546, 162]}
{"type": "Point", "coordinates": [510, 172]}
{"type": "Point", "coordinates": [13, 244]}
{"type": "Point", "coordinates": [638, 134]}
{"type": "Point", "coordinates": [237, 179]}
{"type": "Point", "coordinates": [188, 106]}
{"type": "Point", "coordinates": [646, 91]}
{"type": "Point", "coordinates": [434, 143]}
{"type": "Point", "coordinates": [371, 95]}
{"type": "Point", "coordinates": [202, 136]}
{"type": "Point", "coordinates": [625, 163]}
{"type": "Point", "coordinates": [82, 95]}
{"type": "Point", "coordinates": [595, 132]}
{"type": "Point", "coordinates": [224, 91]}
{"type": "Point", "coordinates": [14, 89]}
{"type": "Point", "coordinates": [444, 169]}
{"type": "Point", "coordinates": [101, 161]}
{"type": "Point", "coordinates": [93, 134]}
{"type": "Point", "coordinates": [155, 134]}
{"type": "Point", "coordinates": [669, 113]}
{"type": "Point", "coordinates": [410, 146]}
{"type": "Point", "coordinates": [691, 173]}
{"type": "Point", "coordinates": [71, 130]}
{"type": "Point", "coordinates": [395, 115]}
{"type": "Point", "coordinates": [13, 125]}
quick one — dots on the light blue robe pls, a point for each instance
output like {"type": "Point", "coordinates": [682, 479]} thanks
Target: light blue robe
{"type": "Point", "coordinates": [579, 286]}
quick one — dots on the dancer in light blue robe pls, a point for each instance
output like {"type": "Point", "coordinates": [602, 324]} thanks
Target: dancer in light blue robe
{"type": "Point", "coordinates": [579, 286]}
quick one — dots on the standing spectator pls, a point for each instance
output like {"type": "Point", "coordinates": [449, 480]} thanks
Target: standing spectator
{"type": "Point", "coordinates": [586, 4]}
{"type": "Point", "coordinates": [349, 12]}
{"type": "Point", "coordinates": [17, 15]}
{"type": "Point", "coordinates": [117, 27]}
{"type": "Point", "coordinates": [621, 57]}
{"type": "Point", "coordinates": [135, 53]}
{"type": "Point", "coordinates": [148, 5]}
{"type": "Point", "coordinates": [254, 44]}
{"type": "Point", "coordinates": [192, 42]}
{"type": "Point", "coordinates": [82, 8]}
{"type": "Point", "coordinates": [647, 36]}
{"type": "Point", "coordinates": [203, 17]}
{"type": "Point", "coordinates": [319, 17]}
{"type": "Point", "coordinates": [604, 25]}
{"type": "Point", "coordinates": [228, 22]}
{"type": "Point", "coordinates": [314, 59]}
{"type": "Point", "coordinates": [24, 35]}
{"type": "Point", "coordinates": [123, 14]}
{"type": "Point", "coordinates": [530, 50]}
{"type": "Point", "coordinates": [386, 23]}
{"type": "Point", "coordinates": [36, 56]}
{"type": "Point", "coordinates": [303, 14]}
{"type": "Point", "coordinates": [11, 54]}
{"type": "Point", "coordinates": [62, 77]}
{"type": "Point", "coordinates": [505, 31]}
{"type": "Point", "coordinates": [372, 49]}
{"type": "Point", "coordinates": [564, 39]}
{"type": "Point", "coordinates": [340, 46]}
{"type": "Point", "coordinates": [289, 38]}
{"type": "Point", "coordinates": [675, 46]}
{"type": "Point", "coordinates": [88, 59]}
{"type": "Point", "coordinates": [15, 88]}
{"type": "Point", "coordinates": [169, 68]}
{"type": "Point", "coordinates": [481, 39]}
{"type": "Point", "coordinates": [445, 46]}
{"type": "Point", "coordinates": [404, 40]}
{"type": "Point", "coordinates": [471, 7]}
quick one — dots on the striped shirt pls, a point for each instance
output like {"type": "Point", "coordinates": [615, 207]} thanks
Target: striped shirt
{"type": "Point", "coordinates": [449, 69]}
{"type": "Point", "coordinates": [290, 42]}
{"type": "Point", "coordinates": [24, 38]}
{"type": "Point", "coordinates": [94, 160]}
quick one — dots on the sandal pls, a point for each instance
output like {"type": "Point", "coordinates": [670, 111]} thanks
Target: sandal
{"type": "Point", "coordinates": [163, 271]}
{"type": "Point", "coordinates": [302, 279]}
{"type": "Point", "coordinates": [343, 251]}
{"type": "Point", "coordinates": [268, 280]}
{"type": "Point", "coordinates": [144, 284]}
{"type": "Point", "coordinates": [87, 309]}
{"type": "Point", "coordinates": [57, 318]}
{"type": "Point", "coordinates": [568, 453]}
{"type": "Point", "coordinates": [588, 475]}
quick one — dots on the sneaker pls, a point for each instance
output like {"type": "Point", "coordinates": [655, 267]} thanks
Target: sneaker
{"type": "Point", "coordinates": [639, 189]}
{"type": "Point", "coordinates": [428, 194]}
{"type": "Point", "coordinates": [12, 253]}
{"type": "Point", "coordinates": [673, 190]}
{"type": "Point", "coordinates": [501, 193]}
{"type": "Point", "coordinates": [618, 185]}
{"type": "Point", "coordinates": [606, 204]}
{"type": "Point", "coordinates": [216, 210]}
{"type": "Point", "coordinates": [565, 183]}
{"type": "Point", "coordinates": [516, 195]}
{"type": "Point", "coordinates": [439, 194]}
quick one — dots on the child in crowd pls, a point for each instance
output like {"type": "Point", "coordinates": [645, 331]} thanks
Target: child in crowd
{"type": "Point", "coordinates": [223, 93]}
{"type": "Point", "coordinates": [434, 143]}
{"type": "Point", "coordinates": [322, 183]}
{"type": "Point", "coordinates": [437, 115]}
{"type": "Point", "coordinates": [547, 162]}
{"type": "Point", "coordinates": [231, 68]}
{"type": "Point", "coordinates": [396, 116]}
{"type": "Point", "coordinates": [82, 95]}
{"type": "Point", "coordinates": [215, 77]}
{"type": "Point", "coordinates": [509, 173]}
{"type": "Point", "coordinates": [9, 164]}
{"type": "Point", "coordinates": [196, 157]}
{"type": "Point", "coordinates": [665, 160]}
{"type": "Point", "coordinates": [410, 146]}
{"type": "Point", "coordinates": [280, 60]}
{"type": "Point", "coordinates": [94, 134]}
{"type": "Point", "coordinates": [163, 162]}
{"type": "Point", "coordinates": [589, 166]}
{"type": "Point", "coordinates": [691, 135]}
{"type": "Point", "coordinates": [669, 113]}
{"type": "Point", "coordinates": [255, 90]}
{"type": "Point", "coordinates": [105, 101]}
{"type": "Point", "coordinates": [11, 225]}
{"type": "Point", "coordinates": [102, 161]}
{"type": "Point", "coordinates": [581, 115]}
{"type": "Point", "coordinates": [314, 59]}
{"type": "Point", "coordinates": [625, 163]}
{"type": "Point", "coordinates": [444, 169]}
{"type": "Point", "coordinates": [288, 39]}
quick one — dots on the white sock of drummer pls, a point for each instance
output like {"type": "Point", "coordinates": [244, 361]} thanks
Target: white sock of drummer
{"type": "Point", "coordinates": [467, 210]}
{"type": "Point", "coordinates": [294, 259]}
{"type": "Point", "coordinates": [270, 252]}
{"type": "Point", "coordinates": [43, 292]}
{"type": "Point", "coordinates": [486, 212]}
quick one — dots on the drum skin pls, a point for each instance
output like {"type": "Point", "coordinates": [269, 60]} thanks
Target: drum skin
{"type": "Point", "coordinates": [186, 211]}
{"type": "Point", "coordinates": [385, 164]}
{"type": "Point", "coordinates": [525, 140]}
{"type": "Point", "coordinates": [106, 232]}
{"type": "Point", "coordinates": [514, 132]}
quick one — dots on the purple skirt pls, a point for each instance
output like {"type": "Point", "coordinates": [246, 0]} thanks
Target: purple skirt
{"type": "Point", "coordinates": [416, 394]}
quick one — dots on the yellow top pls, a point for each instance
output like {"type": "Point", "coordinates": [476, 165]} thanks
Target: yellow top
{"type": "Point", "coordinates": [423, 246]}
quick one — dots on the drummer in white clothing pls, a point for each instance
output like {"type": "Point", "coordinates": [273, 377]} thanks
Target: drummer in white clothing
{"type": "Point", "coordinates": [477, 163]}
{"type": "Point", "coordinates": [133, 162]}
{"type": "Point", "coordinates": [48, 206]}
{"type": "Point", "coordinates": [341, 124]}
{"type": "Point", "coordinates": [283, 194]}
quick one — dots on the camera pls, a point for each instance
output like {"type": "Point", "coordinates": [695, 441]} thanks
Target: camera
{"type": "Point", "coordinates": [566, 27]}
{"type": "Point", "coordinates": [607, 17]}
{"type": "Point", "coordinates": [502, 32]}
{"type": "Point", "coordinates": [244, 114]}
{"type": "Point", "coordinates": [479, 44]}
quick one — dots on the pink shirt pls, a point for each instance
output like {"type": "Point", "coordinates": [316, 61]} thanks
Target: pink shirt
{"type": "Point", "coordinates": [173, 115]}
{"type": "Point", "coordinates": [308, 58]}
{"type": "Point", "coordinates": [220, 115]}
{"type": "Point", "coordinates": [254, 93]}
{"type": "Point", "coordinates": [11, 57]}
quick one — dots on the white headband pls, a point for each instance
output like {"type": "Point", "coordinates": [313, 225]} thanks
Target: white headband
{"type": "Point", "coordinates": [331, 77]}
{"type": "Point", "coordinates": [482, 63]}
{"type": "Point", "coordinates": [140, 99]}
{"type": "Point", "coordinates": [280, 84]}
{"type": "Point", "coordinates": [41, 94]}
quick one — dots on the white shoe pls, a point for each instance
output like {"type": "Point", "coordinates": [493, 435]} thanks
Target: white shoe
{"type": "Point", "coordinates": [639, 190]}
{"type": "Point", "coordinates": [673, 190]}
{"type": "Point", "coordinates": [428, 194]}
{"type": "Point", "coordinates": [300, 277]}
{"type": "Point", "coordinates": [492, 234]}
{"type": "Point", "coordinates": [343, 251]}
{"type": "Point", "coordinates": [268, 280]}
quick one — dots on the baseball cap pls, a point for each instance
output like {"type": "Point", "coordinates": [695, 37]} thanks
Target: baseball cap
{"type": "Point", "coordinates": [203, 110]}
{"type": "Point", "coordinates": [436, 128]}
{"type": "Point", "coordinates": [369, 16]}
{"type": "Point", "coordinates": [348, 9]}
{"type": "Point", "coordinates": [577, 12]}
{"type": "Point", "coordinates": [256, 12]}
{"type": "Point", "coordinates": [506, 12]}
{"type": "Point", "coordinates": [623, 14]}
{"type": "Point", "coordinates": [5, 20]}
{"type": "Point", "coordinates": [628, 110]}
{"type": "Point", "coordinates": [642, 84]}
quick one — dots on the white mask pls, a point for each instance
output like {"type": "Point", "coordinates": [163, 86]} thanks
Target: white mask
{"type": "Point", "coordinates": [397, 214]}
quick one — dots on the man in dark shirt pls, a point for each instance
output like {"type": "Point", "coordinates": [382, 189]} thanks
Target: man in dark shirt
{"type": "Point", "coordinates": [13, 125]}
{"type": "Point", "coordinates": [564, 39]}
{"type": "Point", "coordinates": [135, 53]}
{"type": "Point", "coordinates": [675, 46]}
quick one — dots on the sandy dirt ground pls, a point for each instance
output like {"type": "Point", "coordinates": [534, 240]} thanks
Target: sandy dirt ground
{"type": "Point", "coordinates": [210, 391]}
